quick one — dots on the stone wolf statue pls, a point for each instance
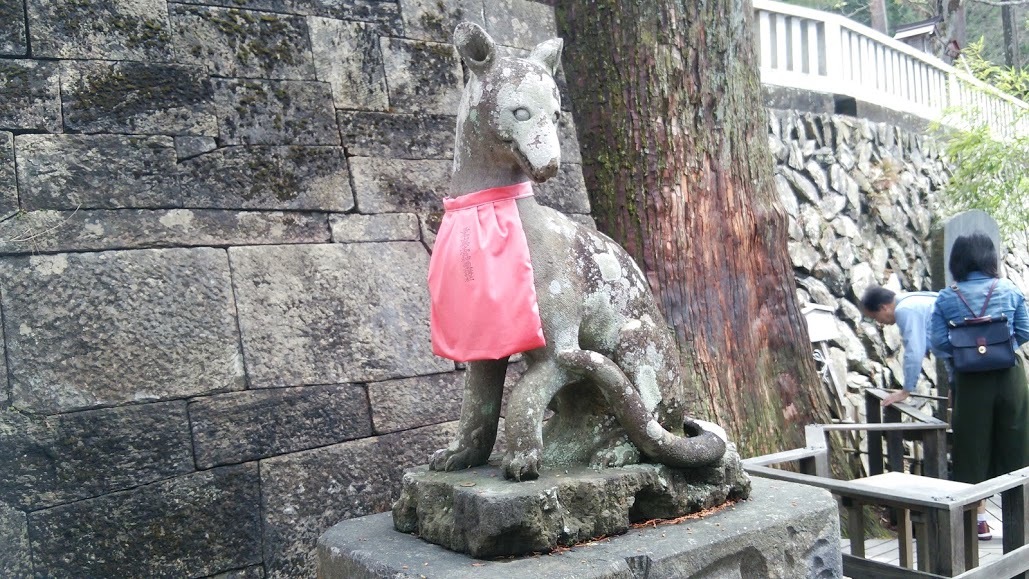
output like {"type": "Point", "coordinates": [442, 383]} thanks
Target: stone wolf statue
{"type": "Point", "coordinates": [609, 368]}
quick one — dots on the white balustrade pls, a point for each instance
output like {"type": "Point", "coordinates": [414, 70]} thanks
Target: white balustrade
{"type": "Point", "coordinates": [818, 51]}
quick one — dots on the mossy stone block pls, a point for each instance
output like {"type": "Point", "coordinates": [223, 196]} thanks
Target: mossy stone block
{"type": "Point", "coordinates": [12, 28]}
{"type": "Point", "coordinates": [244, 426]}
{"type": "Point", "coordinates": [347, 56]}
{"type": "Point", "coordinates": [384, 15]}
{"type": "Point", "coordinates": [305, 493]}
{"type": "Point", "coordinates": [242, 43]}
{"type": "Point", "coordinates": [50, 460]}
{"type": "Point", "coordinates": [193, 525]}
{"type": "Point", "coordinates": [307, 318]}
{"type": "Point", "coordinates": [96, 172]}
{"type": "Point", "coordinates": [423, 77]}
{"type": "Point", "coordinates": [100, 29]}
{"type": "Point", "coordinates": [275, 112]}
{"type": "Point", "coordinates": [8, 178]}
{"type": "Point", "coordinates": [288, 178]}
{"type": "Point", "coordinates": [397, 135]}
{"type": "Point", "coordinates": [48, 231]}
{"type": "Point", "coordinates": [137, 98]}
{"type": "Point", "coordinates": [31, 92]}
{"type": "Point", "coordinates": [86, 330]}
{"type": "Point", "coordinates": [400, 185]}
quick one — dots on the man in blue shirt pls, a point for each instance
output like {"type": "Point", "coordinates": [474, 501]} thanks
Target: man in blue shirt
{"type": "Point", "coordinates": [912, 313]}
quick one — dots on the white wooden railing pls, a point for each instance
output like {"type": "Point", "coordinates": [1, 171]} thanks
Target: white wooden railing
{"type": "Point", "coordinates": [813, 50]}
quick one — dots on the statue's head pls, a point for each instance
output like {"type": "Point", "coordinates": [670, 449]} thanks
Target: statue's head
{"type": "Point", "coordinates": [510, 107]}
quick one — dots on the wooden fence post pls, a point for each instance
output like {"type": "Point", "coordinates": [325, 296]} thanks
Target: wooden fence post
{"type": "Point", "coordinates": [873, 415]}
{"type": "Point", "coordinates": [1015, 516]}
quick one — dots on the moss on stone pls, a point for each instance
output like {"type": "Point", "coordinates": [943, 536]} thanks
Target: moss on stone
{"type": "Point", "coordinates": [13, 78]}
{"type": "Point", "coordinates": [81, 19]}
{"type": "Point", "coordinates": [13, 13]}
{"type": "Point", "coordinates": [283, 95]}
{"type": "Point", "coordinates": [433, 20]}
{"type": "Point", "coordinates": [441, 52]}
{"type": "Point", "coordinates": [257, 39]}
{"type": "Point", "coordinates": [271, 176]}
{"type": "Point", "coordinates": [133, 88]}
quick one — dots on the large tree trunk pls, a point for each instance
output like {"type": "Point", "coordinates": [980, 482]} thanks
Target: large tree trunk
{"type": "Point", "coordinates": [1011, 45]}
{"type": "Point", "coordinates": [952, 28]}
{"type": "Point", "coordinates": [675, 154]}
{"type": "Point", "coordinates": [880, 18]}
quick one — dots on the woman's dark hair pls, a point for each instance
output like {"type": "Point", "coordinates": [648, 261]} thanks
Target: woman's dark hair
{"type": "Point", "coordinates": [974, 252]}
{"type": "Point", "coordinates": [875, 298]}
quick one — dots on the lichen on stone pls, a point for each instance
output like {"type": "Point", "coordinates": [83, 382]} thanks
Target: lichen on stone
{"type": "Point", "coordinates": [86, 21]}
{"type": "Point", "coordinates": [129, 88]}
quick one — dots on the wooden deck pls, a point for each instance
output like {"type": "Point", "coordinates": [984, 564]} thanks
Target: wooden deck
{"type": "Point", "coordinates": [942, 512]}
{"type": "Point", "coordinates": [887, 550]}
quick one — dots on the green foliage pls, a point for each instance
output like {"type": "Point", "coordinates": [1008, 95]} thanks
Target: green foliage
{"type": "Point", "coordinates": [989, 173]}
{"type": "Point", "coordinates": [985, 20]}
{"type": "Point", "coordinates": [1014, 81]}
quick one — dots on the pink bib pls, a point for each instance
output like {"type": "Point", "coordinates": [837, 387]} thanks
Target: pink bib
{"type": "Point", "coordinates": [483, 301]}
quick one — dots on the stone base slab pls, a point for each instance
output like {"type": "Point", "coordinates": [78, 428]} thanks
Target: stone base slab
{"type": "Point", "coordinates": [477, 511]}
{"type": "Point", "coordinates": [783, 530]}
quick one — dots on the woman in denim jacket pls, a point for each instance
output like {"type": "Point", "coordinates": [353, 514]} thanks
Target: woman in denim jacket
{"type": "Point", "coordinates": [990, 409]}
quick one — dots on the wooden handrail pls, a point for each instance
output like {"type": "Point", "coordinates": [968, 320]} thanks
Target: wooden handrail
{"type": "Point", "coordinates": [899, 498]}
{"type": "Point", "coordinates": [783, 457]}
{"type": "Point", "coordinates": [988, 488]}
{"type": "Point", "coordinates": [861, 567]}
{"type": "Point", "coordinates": [1010, 565]}
{"type": "Point", "coordinates": [949, 517]}
{"type": "Point", "coordinates": [934, 443]}
{"type": "Point", "coordinates": [886, 426]}
{"type": "Point", "coordinates": [906, 408]}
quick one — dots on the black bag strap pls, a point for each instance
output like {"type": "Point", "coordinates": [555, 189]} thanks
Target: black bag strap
{"type": "Point", "coordinates": [989, 294]}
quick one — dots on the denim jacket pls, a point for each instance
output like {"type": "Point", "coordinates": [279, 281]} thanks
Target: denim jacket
{"type": "Point", "coordinates": [1006, 299]}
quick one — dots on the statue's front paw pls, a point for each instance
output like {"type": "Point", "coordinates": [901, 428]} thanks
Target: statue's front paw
{"type": "Point", "coordinates": [447, 459]}
{"type": "Point", "coordinates": [522, 465]}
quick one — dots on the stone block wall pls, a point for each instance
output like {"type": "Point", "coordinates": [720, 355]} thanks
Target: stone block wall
{"type": "Point", "coordinates": [215, 222]}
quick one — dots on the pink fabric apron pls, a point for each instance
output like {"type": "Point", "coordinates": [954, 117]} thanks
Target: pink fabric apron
{"type": "Point", "coordinates": [483, 301]}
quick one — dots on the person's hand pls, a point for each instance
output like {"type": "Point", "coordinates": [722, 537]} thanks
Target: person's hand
{"type": "Point", "coordinates": [898, 396]}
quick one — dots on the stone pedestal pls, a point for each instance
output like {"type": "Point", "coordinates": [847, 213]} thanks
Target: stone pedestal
{"type": "Point", "coordinates": [783, 530]}
{"type": "Point", "coordinates": [478, 512]}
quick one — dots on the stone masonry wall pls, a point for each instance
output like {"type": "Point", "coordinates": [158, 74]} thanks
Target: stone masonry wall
{"type": "Point", "coordinates": [215, 218]}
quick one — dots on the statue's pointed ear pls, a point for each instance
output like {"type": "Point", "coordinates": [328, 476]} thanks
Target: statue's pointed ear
{"type": "Point", "coordinates": [548, 54]}
{"type": "Point", "coordinates": [475, 46]}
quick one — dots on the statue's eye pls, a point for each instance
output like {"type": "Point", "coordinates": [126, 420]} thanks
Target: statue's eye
{"type": "Point", "coordinates": [522, 114]}
{"type": "Point", "coordinates": [557, 117]}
